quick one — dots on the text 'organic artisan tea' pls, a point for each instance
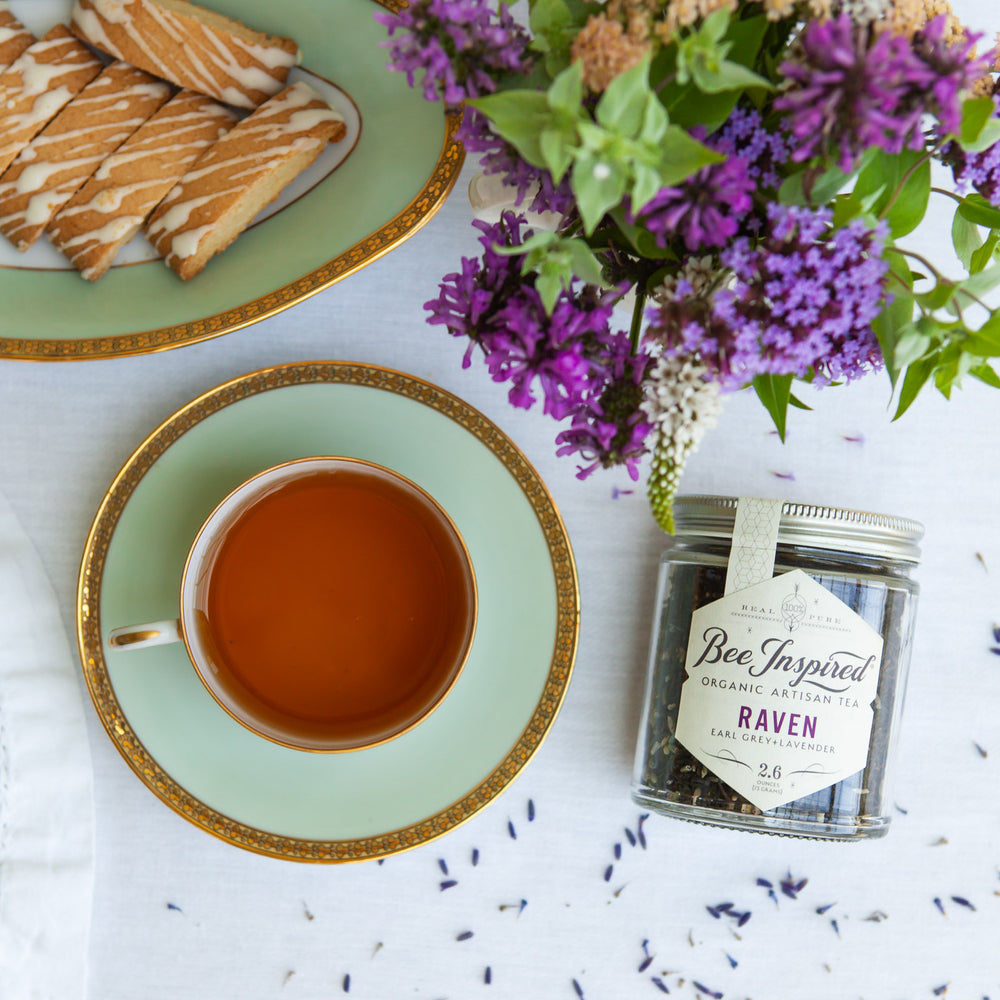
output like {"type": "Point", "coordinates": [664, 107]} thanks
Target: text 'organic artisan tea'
{"type": "Point", "coordinates": [777, 667]}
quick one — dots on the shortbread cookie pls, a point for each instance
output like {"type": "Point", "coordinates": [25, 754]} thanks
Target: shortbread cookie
{"type": "Point", "coordinates": [40, 82]}
{"type": "Point", "coordinates": [112, 206]}
{"type": "Point", "coordinates": [241, 174]}
{"type": "Point", "coordinates": [53, 166]}
{"type": "Point", "coordinates": [14, 36]}
{"type": "Point", "coordinates": [193, 47]}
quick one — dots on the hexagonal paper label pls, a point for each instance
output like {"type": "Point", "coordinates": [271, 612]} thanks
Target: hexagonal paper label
{"type": "Point", "coordinates": [777, 701]}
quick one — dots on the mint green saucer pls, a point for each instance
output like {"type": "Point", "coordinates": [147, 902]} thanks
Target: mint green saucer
{"type": "Point", "coordinates": [311, 806]}
{"type": "Point", "coordinates": [397, 168]}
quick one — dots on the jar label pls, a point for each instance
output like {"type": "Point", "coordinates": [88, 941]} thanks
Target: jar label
{"type": "Point", "coordinates": [780, 681]}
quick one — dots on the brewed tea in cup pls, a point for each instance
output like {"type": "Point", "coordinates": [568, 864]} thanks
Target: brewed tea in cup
{"type": "Point", "coordinates": [327, 604]}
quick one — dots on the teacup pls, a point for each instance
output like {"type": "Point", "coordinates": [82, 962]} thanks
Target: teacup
{"type": "Point", "coordinates": [327, 604]}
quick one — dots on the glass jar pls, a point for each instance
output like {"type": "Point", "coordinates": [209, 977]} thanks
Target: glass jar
{"type": "Point", "coordinates": [768, 689]}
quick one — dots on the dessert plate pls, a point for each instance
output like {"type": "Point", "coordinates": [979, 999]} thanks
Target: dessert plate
{"type": "Point", "coordinates": [363, 197]}
{"type": "Point", "coordinates": [373, 802]}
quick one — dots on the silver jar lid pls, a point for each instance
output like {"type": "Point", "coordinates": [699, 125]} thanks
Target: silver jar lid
{"type": "Point", "coordinates": [831, 528]}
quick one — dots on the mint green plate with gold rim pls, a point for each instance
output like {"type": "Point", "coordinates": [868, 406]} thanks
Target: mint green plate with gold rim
{"type": "Point", "coordinates": [357, 204]}
{"type": "Point", "coordinates": [314, 806]}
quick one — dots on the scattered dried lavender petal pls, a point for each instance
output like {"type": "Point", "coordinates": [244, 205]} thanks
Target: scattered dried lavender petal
{"type": "Point", "coordinates": [836, 927]}
{"type": "Point", "coordinates": [607, 873]}
{"type": "Point", "coordinates": [900, 809]}
{"type": "Point", "coordinates": [962, 901]}
{"type": "Point", "coordinates": [174, 906]}
{"type": "Point", "coordinates": [826, 906]}
{"type": "Point", "coordinates": [940, 990]}
{"type": "Point", "coordinates": [996, 633]}
{"type": "Point", "coordinates": [511, 830]}
{"type": "Point", "coordinates": [531, 811]}
{"type": "Point", "coordinates": [659, 984]}
{"type": "Point", "coordinates": [704, 989]}
{"type": "Point", "coordinates": [464, 936]}
{"type": "Point", "coordinates": [448, 883]}
{"type": "Point", "coordinates": [980, 750]}
{"type": "Point", "coordinates": [645, 946]}
{"type": "Point", "coordinates": [618, 851]}
{"type": "Point", "coordinates": [764, 882]}
{"type": "Point", "coordinates": [630, 835]}
{"type": "Point", "coordinates": [714, 911]}
{"type": "Point", "coordinates": [790, 476]}
{"type": "Point", "coordinates": [475, 856]}
{"type": "Point", "coordinates": [578, 989]}
{"type": "Point", "coordinates": [854, 438]}
{"type": "Point", "coordinates": [645, 963]}
{"type": "Point", "coordinates": [443, 865]}
{"type": "Point", "coordinates": [732, 961]}
{"type": "Point", "coordinates": [939, 904]}
{"type": "Point", "coordinates": [616, 493]}
{"type": "Point", "coordinates": [488, 976]}
{"type": "Point", "coordinates": [791, 888]}
{"type": "Point", "coordinates": [347, 983]}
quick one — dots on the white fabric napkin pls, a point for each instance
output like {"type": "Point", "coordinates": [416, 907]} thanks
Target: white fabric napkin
{"type": "Point", "coordinates": [46, 787]}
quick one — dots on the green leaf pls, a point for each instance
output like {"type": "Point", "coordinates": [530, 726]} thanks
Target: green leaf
{"type": "Point", "coordinates": [639, 238]}
{"type": "Point", "coordinates": [554, 25]}
{"type": "Point", "coordinates": [966, 239]}
{"type": "Point", "coordinates": [813, 187]}
{"type": "Point", "coordinates": [915, 379]}
{"type": "Point", "coordinates": [682, 156]}
{"type": "Point", "coordinates": [647, 183]}
{"type": "Point", "coordinates": [598, 186]}
{"type": "Point", "coordinates": [985, 253]}
{"type": "Point", "coordinates": [985, 374]}
{"type": "Point", "coordinates": [520, 117]}
{"type": "Point", "coordinates": [980, 126]}
{"type": "Point", "coordinates": [622, 107]}
{"type": "Point", "coordinates": [911, 346]}
{"type": "Point", "coordinates": [982, 283]}
{"type": "Point", "coordinates": [556, 151]}
{"type": "Point", "coordinates": [727, 76]}
{"type": "Point", "coordinates": [985, 342]}
{"type": "Point", "coordinates": [775, 392]}
{"type": "Point", "coordinates": [566, 92]}
{"type": "Point", "coordinates": [978, 210]}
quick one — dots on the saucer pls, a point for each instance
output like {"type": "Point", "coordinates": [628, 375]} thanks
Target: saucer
{"type": "Point", "coordinates": [373, 802]}
{"type": "Point", "coordinates": [363, 197]}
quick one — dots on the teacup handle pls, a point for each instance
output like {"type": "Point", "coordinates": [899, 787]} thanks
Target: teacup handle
{"type": "Point", "coordinates": [146, 635]}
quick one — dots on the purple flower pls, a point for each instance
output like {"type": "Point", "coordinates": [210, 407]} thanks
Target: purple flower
{"type": "Point", "coordinates": [763, 152]}
{"type": "Point", "coordinates": [849, 90]}
{"type": "Point", "coordinates": [705, 210]}
{"type": "Point", "coordinates": [499, 310]}
{"type": "Point", "coordinates": [610, 428]}
{"type": "Point", "coordinates": [954, 69]}
{"type": "Point", "coordinates": [801, 302]}
{"type": "Point", "coordinates": [977, 170]}
{"type": "Point", "coordinates": [500, 157]}
{"type": "Point", "coordinates": [844, 95]}
{"type": "Point", "coordinates": [462, 46]}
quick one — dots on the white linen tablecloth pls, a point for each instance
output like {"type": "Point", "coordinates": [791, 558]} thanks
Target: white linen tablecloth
{"type": "Point", "coordinates": [46, 787]}
{"type": "Point", "coordinates": [577, 902]}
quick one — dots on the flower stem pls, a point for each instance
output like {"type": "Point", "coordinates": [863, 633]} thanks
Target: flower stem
{"type": "Point", "coordinates": [637, 310]}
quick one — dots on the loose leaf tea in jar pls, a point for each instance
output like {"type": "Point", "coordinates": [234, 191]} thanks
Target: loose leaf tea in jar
{"type": "Point", "coordinates": [777, 666]}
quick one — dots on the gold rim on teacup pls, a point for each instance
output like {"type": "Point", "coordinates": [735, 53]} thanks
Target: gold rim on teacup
{"type": "Point", "coordinates": [197, 569]}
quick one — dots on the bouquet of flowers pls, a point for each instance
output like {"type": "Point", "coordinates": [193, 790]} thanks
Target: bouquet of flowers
{"type": "Point", "coordinates": [746, 173]}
